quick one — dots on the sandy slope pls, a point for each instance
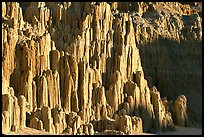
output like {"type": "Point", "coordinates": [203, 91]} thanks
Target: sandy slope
{"type": "Point", "coordinates": [180, 131]}
{"type": "Point", "coordinates": [183, 131]}
{"type": "Point", "coordinates": [29, 131]}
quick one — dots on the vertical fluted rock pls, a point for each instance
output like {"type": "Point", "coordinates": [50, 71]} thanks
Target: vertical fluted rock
{"type": "Point", "coordinates": [40, 125]}
{"type": "Point", "coordinates": [131, 104]}
{"type": "Point", "coordinates": [112, 96]}
{"type": "Point", "coordinates": [5, 122]}
{"type": "Point", "coordinates": [137, 124]}
{"type": "Point", "coordinates": [46, 40]}
{"type": "Point", "coordinates": [103, 112]}
{"type": "Point", "coordinates": [78, 121]}
{"type": "Point", "coordinates": [42, 18]}
{"type": "Point", "coordinates": [52, 129]}
{"type": "Point", "coordinates": [101, 98]}
{"type": "Point", "coordinates": [86, 130]}
{"type": "Point", "coordinates": [28, 14]}
{"type": "Point", "coordinates": [25, 81]}
{"type": "Point", "coordinates": [57, 123]}
{"type": "Point", "coordinates": [82, 60]}
{"type": "Point", "coordinates": [82, 114]}
{"type": "Point", "coordinates": [147, 112]}
{"type": "Point", "coordinates": [74, 129]}
{"type": "Point", "coordinates": [51, 93]}
{"type": "Point", "coordinates": [97, 76]}
{"type": "Point", "coordinates": [166, 104]}
{"type": "Point", "coordinates": [61, 71]}
{"type": "Point", "coordinates": [10, 39]}
{"type": "Point", "coordinates": [69, 85]}
{"type": "Point", "coordinates": [129, 63]}
{"type": "Point", "coordinates": [137, 99]}
{"type": "Point", "coordinates": [168, 122]}
{"type": "Point", "coordinates": [126, 124]}
{"type": "Point", "coordinates": [88, 114]}
{"type": "Point", "coordinates": [83, 84]}
{"type": "Point", "coordinates": [94, 93]}
{"type": "Point", "coordinates": [3, 8]}
{"type": "Point", "coordinates": [55, 60]}
{"type": "Point", "coordinates": [5, 84]}
{"type": "Point", "coordinates": [180, 110]}
{"type": "Point", "coordinates": [27, 75]}
{"type": "Point", "coordinates": [8, 110]}
{"type": "Point", "coordinates": [56, 83]}
{"type": "Point", "coordinates": [80, 130]}
{"type": "Point", "coordinates": [22, 104]}
{"type": "Point", "coordinates": [14, 128]}
{"type": "Point", "coordinates": [90, 89]}
{"type": "Point", "coordinates": [91, 129]}
{"type": "Point", "coordinates": [157, 106]}
{"type": "Point", "coordinates": [28, 90]}
{"type": "Point", "coordinates": [37, 113]}
{"type": "Point", "coordinates": [118, 80]}
{"type": "Point", "coordinates": [143, 107]}
{"type": "Point", "coordinates": [42, 91]}
{"type": "Point", "coordinates": [75, 101]}
{"type": "Point", "coordinates": [16, 113]}
{"type": "Point", "coordinates": [98, 111]}
{"type": "Point", "coordinates": [63, 120]}
{"type": "Point", "coordinates": [34, 88]}
{"type": "Point", "coordinates": [162, 116]}
{"type": "Point", "coordinates": [75, 74]}
{"type": "Point", "coordinates": [68, 130]}
{"type": "Point", "coordinates": [141, 82]}
{"type": "Point", "coordinates": [147, 96]}
{"type": "Point", "coordinates": [7, 105]}
{"type": "Point", "coordinates": [46, 118]}
{"type": "Point", "coordinates": [34, 123]}
{"type": "Point", "coordinates": [117, 120]}
{"type": "Point", "coordinates": [126, 106]}
{"type": "Point", "coordinates": [72, 114]}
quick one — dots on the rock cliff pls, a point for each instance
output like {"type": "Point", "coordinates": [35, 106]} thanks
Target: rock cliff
{"type": "Point", "coordinates": [83, 68]}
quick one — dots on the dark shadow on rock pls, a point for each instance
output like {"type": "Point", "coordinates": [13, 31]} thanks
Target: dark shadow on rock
{"type": "Point", "coordinates": [175, 68]}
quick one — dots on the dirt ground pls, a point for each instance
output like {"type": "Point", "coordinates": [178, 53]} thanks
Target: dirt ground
{"type": "Point", "coordinates": [179, 131]}
{"type": "Point", "coordinates": [183, 131]}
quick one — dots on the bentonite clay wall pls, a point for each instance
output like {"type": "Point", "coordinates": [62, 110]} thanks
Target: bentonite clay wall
{"type": "Point", "coordinates": [172, 57]}
{"type": "Point", "coordinates": [75, 67]}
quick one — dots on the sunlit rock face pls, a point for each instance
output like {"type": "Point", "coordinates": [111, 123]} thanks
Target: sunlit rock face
{"type": "Point", "coordinates": [87, 68]}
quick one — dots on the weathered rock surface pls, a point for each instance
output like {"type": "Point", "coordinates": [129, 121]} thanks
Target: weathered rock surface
{"type": "Point", "coordinates": [172, 33]}
{"type": "Point", "coordinates": [180, 108]}
{"type": "Point", "coordinates": [77, 68]}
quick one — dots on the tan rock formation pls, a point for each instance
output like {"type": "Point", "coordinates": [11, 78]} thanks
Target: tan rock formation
{"type": "Point", "coordinates": [91, 129]}
{"type": "Point", "coordinates": [68, 130]}
{"type": "Point", "coordinates": [16, 113]}
{"type": "Point", "coordinates": [77, 68]}
{"type": "Point", "coordinates": [180, 111]}
{"type": "Point", "coordinates": [34, 123]}
{"type": "Point", "coordinates": [46, 118]}
{"type": "Point", "coordinates": [163, 117]}
{"type": "Point", "coordinates": [22, 104]}
{"type": "Point", "coordinates": [40, 125]}
{"type": "Point", "coordinates": [14, 128]}
{"type": "Point", "coordinates": [126, 124]}
{"type": "Point", "coordinates": [137, 124]}
{"type": "Point", "coordinates": [5, 122]}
